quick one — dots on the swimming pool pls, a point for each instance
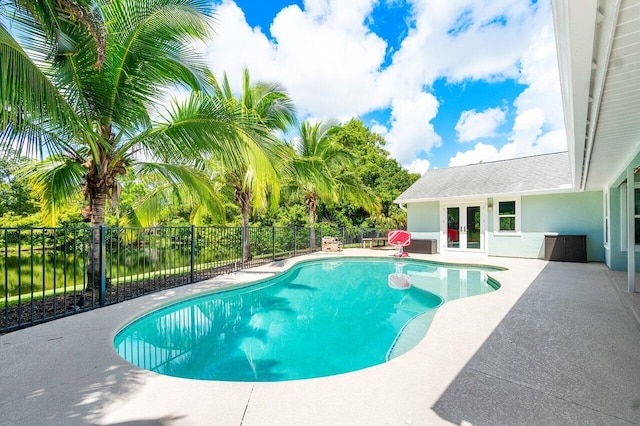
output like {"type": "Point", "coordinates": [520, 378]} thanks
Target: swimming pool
{"type": "Point", "coordinates": [320, 318]}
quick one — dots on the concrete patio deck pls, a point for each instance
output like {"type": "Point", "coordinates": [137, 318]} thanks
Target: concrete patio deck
{"type": "Point", "coordinates": [559, 343]}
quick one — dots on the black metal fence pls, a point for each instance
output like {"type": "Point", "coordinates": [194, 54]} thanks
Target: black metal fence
{"type": "Point", "coordinates": [48, 273]}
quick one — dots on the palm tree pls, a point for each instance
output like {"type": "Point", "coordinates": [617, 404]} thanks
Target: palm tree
{"type": "Point", "coordinates": [257, 188]}
{"type": "Point", "coordinates": [321, 172]}
{"type": "Point", "coordinates": [92, 122]}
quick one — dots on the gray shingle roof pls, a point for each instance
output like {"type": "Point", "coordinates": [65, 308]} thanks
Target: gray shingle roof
{"type": "Point", "coordinates": [540, 173]}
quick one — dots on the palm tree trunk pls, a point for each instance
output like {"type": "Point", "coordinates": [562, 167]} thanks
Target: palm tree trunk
{"type": "Point", "coordinates": [97, 255]}
{"type": "Point", "coordinates": [312, 230]}
{"type": "Point", "coordinates": [311, 200]}
{"type": "Point", "coordinates": [246, 242]}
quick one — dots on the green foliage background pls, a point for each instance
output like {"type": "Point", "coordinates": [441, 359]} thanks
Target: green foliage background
{"type": "Point", "coordinates": [19, 207]}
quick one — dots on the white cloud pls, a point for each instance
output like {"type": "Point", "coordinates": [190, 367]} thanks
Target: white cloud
{"type": "Point", "coordinates": [482, 51]}
{"type": "Point", "coordinates": [411, 130]}
{"type": "Point", "coordinates": [379, 129]}
{"type": "Point", "coordinates": [481, 153]}
{"type": "Point", "coordinates": [332, 63]}
{"type": "Point", "coordinates": [527, 139]}
{"type": "Point", "coordinates": [475, 125]}
{"type": "Point", "coordinates": [332, 66]}
{"type": "Point", "coordinates": [539, 71]}
{"type": "Point", "coordinates": [553, 141]}
{"type": "Point", "coordinates": [236, 45]}
{"type": "Point", "coordinates": [325, 56]}
{"type": "Point", "coordinates": [527, 127]}
{"type": "Point", "coordinates": [420, 165]}
{"type": "Point", "coordinates": [539, 126]}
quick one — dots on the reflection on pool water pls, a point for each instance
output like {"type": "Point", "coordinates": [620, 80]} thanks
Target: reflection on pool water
{"type": "Point", "coordinates": [320, 318]}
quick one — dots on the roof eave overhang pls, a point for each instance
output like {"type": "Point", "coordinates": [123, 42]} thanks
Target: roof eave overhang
{"type": "Point", "coordinates": [561, 190]}
{"type": "Point", "coordinates": [574, 44]}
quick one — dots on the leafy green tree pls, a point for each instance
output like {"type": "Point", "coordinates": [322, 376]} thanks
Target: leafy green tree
{"type": "Point", "coordinates": [16, 195]}
{"type": "Point", "coordinates": [256, 186]}
{"type": "Point", "coordinates": [294, 215]}
{"type": "Point", "coordinates": [320, 172]}
{"type": "Point", "coordinates": [376, 170]}
{"type": "Point", "coordinates": [91, 118]}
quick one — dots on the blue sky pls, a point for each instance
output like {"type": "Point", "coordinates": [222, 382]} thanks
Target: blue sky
{"type": "Point", "coordinates": [445, 82]}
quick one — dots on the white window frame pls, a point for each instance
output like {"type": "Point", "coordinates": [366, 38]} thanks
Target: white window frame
{"type": "Point", "coordinates": [496, 217]}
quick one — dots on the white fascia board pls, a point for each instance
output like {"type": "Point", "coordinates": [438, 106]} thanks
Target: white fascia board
{"type": "Point", "coordinates": [566, 190]}
{"type": "Point", "coordinates": [574, 23]}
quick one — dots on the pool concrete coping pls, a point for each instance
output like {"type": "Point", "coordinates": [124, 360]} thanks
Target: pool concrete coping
{"type": "Point", "coordinates": [68, 372]}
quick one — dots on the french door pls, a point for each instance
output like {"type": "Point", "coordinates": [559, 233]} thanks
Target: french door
{"type": "Point", "coordinates": [463, 226]}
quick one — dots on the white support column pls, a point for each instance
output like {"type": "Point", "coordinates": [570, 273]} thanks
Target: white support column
{"type": "Point", "coordinates": [631, 231]}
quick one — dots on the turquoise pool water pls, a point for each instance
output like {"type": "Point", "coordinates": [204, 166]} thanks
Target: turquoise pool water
{"type": "Point", "coordinates": [320, 318]}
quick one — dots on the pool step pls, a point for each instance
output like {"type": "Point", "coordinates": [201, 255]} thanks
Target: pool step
{"type": "Point", "coordinates": [411, 334]}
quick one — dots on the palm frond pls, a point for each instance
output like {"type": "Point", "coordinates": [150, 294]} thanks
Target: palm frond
{"type": "Point", "coordinates": [203, 126]}
{"type": "Point", "coordinates": [55, 180]}
{"type": "Point", "coordinates": [145, 213]}
{"type": "Point", "coordinates": [56, 17]}
{"type": "Point", "coordinates": [350, 189]}
{"type": "Point", "coordinates": [33, 109]}
{"type": "Point", "coordinates": [150, 46]}
{"type": "Point", "coordinates": [182, 185]}
{"type": "Point", "coordinates": [272, 104]}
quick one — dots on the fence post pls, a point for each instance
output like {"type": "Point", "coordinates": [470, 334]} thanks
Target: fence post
{"type": "Point", "coordinates": [344, 236]}
{"type": "Point", "coordinates": [193, 250]}
{"type": "Point", "coordinates": [295, 240]}
{"type": "Point", "coordinates": [274, 242]}
{"type": "Point", "coordinates": [103, 265]}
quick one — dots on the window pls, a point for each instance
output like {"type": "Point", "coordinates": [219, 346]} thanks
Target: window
{"type": "Point", "coordinates": [507, 216]}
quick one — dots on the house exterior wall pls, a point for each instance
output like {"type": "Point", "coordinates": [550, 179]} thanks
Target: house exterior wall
{"type": "Point", "coordinates": [577, 213]}
{"type": "Point", "coordinates": [616, 251]}
{"type": "Point", "coordinates": [423, 220]}
{"type": "Point", "coordinates": [615, 257]}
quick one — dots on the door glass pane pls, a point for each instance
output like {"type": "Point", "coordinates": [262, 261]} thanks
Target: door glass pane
{"type": "Point", "coordinates": [453, 227]}
{"type": "Point", "coordinates": [473, 227]}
